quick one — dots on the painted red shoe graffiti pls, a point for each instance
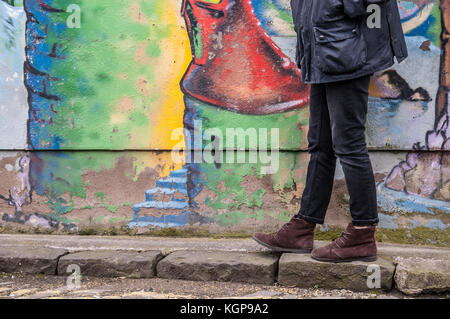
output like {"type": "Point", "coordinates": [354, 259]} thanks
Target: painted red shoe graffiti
{"type": "Point", "coordinates": [236, 65]}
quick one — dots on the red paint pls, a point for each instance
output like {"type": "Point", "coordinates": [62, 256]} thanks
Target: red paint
{"type": "Point", "coordinates": [244, 70]}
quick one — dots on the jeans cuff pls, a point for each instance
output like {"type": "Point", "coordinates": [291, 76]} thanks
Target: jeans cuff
{"type": "Point", "coordinates": [366, 222]}
{"type": "Point", "coordinates": [310, 219]}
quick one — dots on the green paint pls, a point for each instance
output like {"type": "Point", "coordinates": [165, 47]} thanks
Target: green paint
{"type": "Point", "coordinates": [257, 198]}
{"type": "Point", "coordinates": [196, 32]}
{"type": "Point", "coordinates": [100, 195]}
{"type": "Point", "coordinates": [435, 29]}
{"type": "Point", "coordinates": [99, 219]}
{"type": "Point", "coordinates": [15, 3]}
{"type": "Point", "coordinates": [60, 218]}
{"type": "Point", "coordinates": [287, 124]}
{"type": "Point", "coordinates": [59, 205]}
{"type": "Point", "coordinates": [230, 192]}
{"type": "Point", "coordinates": [96, 55]}
{"type": "Point", "coordinates": [111, 208]}
{"type": "Point", "coordinates": [286, 16]}
{"type": "Point", "coordinates": [227, 183]}
{"type": "Point", "coordinates": [59, 182]}
{"type": "Point", "coordinates": [113, 220]}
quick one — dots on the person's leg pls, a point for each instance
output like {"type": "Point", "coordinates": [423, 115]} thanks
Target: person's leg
{"type": "Point", "coordinates": [322, 164]}
{"type": "Point", "coordinates": [298, 234]}
{"type": "Point", "coordinates": [347, 104]}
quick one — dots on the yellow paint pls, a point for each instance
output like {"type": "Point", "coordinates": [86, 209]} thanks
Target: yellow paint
{"type": "Point", "coordinates": [168, 109]}
{"type": "Point", "coordinates": [162, 163]}
{"type": "Point", "coordinates": [170, 67]}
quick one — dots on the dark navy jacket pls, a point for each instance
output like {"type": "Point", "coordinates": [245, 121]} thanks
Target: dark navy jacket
{"type": "Point", "coordinates": [343, 39]}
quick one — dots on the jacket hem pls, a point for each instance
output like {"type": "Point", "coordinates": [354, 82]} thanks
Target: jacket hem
{"type": "Point", "coordinates": [353, 75]}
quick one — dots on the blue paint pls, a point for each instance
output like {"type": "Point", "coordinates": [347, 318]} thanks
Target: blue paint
{"type": "Point", "coordinates": [39, 80]}
{"type": "Point", "coordinates": [393, 201]}
{"type": "Point", "coordinates": [387, 123]}
{"type": "Point", "coordinates": [179, 173]}
{"type": "Point", "coordinates": [166, 188]}
{"type": "Point", "coordinates": [260, 8]}
{"type": "Point", "coordinates": [160, 205]}
{"type": "Point", "coordinates": [161, 221]}
{"type": "Point", "coordinates": [165, 191]}
{"type": "Point", "coordinates": [172, 182]}
{"type": "Point", "coordinates": [436, 224]}
{"type": "Point", "coordinates": [387, 221]}
{"type": "Point", "coordinates": [432, 223]}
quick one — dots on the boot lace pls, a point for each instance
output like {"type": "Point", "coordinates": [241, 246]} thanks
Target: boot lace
{"type": "Point", "coordinates": [341, 241]}
{"type": "Point", "coordinates": [283, 228]}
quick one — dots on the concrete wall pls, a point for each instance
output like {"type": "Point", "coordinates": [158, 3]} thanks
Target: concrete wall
{"type": "Point", "coordinates": [96, 95]}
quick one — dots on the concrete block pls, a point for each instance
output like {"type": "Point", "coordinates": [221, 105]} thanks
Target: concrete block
{"type": "Point", "coordinates": [304, 272]}
{"type": "Point", "coordinates": [219, 266]}
{"type": "Point", "coordinates": [112, 263]}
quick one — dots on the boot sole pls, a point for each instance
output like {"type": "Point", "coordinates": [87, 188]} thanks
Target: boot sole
{"type": "Point", "coordinates": [280, 249]}
{"type": "Point", "coordinates": [329, 260]}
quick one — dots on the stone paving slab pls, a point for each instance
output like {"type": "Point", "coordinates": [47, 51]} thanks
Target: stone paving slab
{"type": "Point", "coordinates": [109, 263]}
{"type": "Point", "coordinates": [304, 272]}
{"type": "Point", "coordinates": [169, 244]}
{"type": "Point", "coordinates": [417, 275]}
{"type": "Point", "coordinates": [40, 253]}
{"type": "Point", "coordinates": [33, 260]}
{"type": "Point", "coordinates": [256, 268]}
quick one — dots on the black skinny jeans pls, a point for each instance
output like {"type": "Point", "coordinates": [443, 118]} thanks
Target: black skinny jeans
{"type": "Point", "coordinates": [337, 121]}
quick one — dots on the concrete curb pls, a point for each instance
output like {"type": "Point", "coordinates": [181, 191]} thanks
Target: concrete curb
{"type": "Point", "coordinates": [304, 272]}
{"type": "Point", "coordinates": [107, 263]}
{"type": "Point", "coordinates": [411, 270]}
{"type": "Point", "coordinates": [32, 260]}
{"type": "Point", "coordinates": [254, 268]}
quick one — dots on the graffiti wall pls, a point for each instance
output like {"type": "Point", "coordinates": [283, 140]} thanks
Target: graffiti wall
{"type": "Point", "coordinates": [147, 114]}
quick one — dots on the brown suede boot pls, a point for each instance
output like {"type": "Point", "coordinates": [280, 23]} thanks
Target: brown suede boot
{"type": "Point", "coordinates": [296, 236]}
{"type": "Point", "coordinates": [353, 244]}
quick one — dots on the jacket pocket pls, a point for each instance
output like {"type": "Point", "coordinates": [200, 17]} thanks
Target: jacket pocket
{"type": "Point", "coordinates": [340, 47]}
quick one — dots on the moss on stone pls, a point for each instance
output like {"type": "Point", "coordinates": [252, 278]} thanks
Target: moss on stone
{"type": "Point", "coordinates": [417, 236]}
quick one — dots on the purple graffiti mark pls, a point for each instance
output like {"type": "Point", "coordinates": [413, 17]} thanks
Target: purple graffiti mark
{"type": "Point", "coordinates": [46, 7]}
{"type": "Point", "coordinates": [20, 192]}
{"type": "Point", "coordinates": [37, 220]}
